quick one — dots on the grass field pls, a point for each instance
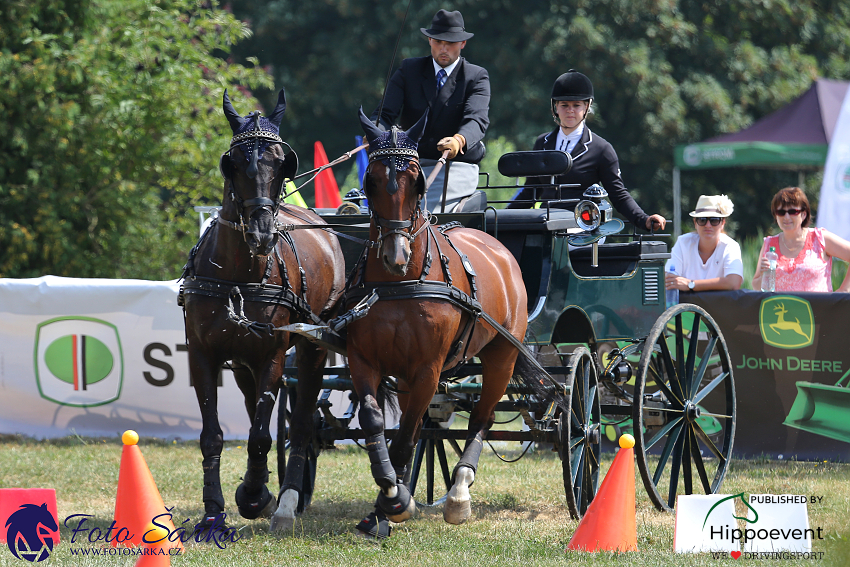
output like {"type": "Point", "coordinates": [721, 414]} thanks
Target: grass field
{"type": "Point", "coordinates": [519, 515]}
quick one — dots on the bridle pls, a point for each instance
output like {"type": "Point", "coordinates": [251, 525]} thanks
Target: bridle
{"type": "Point", "coordinates": [400, 227]}
{"type": "Point", "coordinates": [256, 138]}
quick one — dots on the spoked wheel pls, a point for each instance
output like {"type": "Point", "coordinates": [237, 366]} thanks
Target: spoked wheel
{"type": "Point", "coordinates": [579, 434]}
{"type": "Point", "coordinates": [684, 406]}
{"type": "Point", "coordinates": [433, 453]}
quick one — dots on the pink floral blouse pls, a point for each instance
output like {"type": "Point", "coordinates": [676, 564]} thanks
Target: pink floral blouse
{"type": "Point", "coordinates": [811, 270]}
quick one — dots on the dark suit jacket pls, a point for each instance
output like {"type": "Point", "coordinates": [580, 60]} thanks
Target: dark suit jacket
{"type": "Point", "coordinates": [461, 107]}
{"type": "Point", "coordinates": [594, 161]}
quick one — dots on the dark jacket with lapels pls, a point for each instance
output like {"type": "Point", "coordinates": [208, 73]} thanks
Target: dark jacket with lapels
{"type": "Point", "coordinates": [460, 107]}
{"type": "Point", "coordinates": [594, 161]}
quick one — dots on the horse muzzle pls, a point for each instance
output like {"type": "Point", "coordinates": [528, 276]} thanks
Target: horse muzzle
{"type": "Point", "coordinates": [395, 255]}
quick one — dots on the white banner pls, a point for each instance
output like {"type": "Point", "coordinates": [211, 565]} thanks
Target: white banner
{"type": "Point", "coordinates": [98, 357]}
{"type": "Point", "coordinates": [834, 206]}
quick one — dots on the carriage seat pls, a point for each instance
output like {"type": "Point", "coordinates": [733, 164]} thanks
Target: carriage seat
{"type": "Point", "coordinates": [616, 259]}
{"type": "Point", "coordinates": [529, 220]}
{"type": "Point", "coordinates": [475, 202]}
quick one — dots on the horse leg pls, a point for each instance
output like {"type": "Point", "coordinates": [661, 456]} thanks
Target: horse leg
{"type": "Point", "coordinates": [205, 378]}
{"type": "Point", "coordinates": [310, 362]}
{"type": "Point", "coordinates": [497, 361]}
{"type": "Point", "coordinates": [252, 496]}
{"type": "Point", "coordinates": [420, 391]}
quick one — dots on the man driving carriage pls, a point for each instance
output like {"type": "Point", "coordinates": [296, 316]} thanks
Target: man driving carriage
{"type": "Point", "coordinates": [456, 96]}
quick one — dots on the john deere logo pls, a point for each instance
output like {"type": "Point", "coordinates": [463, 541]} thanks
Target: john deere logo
{"type": "Point", "coordinates": [78, 361]}
{"type": "Point", "coordinates": [787, 322]}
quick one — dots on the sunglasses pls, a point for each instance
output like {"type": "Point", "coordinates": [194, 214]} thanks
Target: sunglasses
{"type": "Point", "coordinates": [713, 220]}
{"type": "Point", "coordinates": [792, 212]}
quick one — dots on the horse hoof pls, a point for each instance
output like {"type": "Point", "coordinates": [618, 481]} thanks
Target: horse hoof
{"type": "Point", "coordinates": [399, 508]}
{"type": "Point", "coordinates": [280, 524]}
{"type": "Point", "coordinates": [457, 511]}
{"type": "Point", "coordinates": [208, 525]}
{"type": "Point", "coordinates": [253, 506]}
{"type": "Point", "coordinates": [284, 517]}
{"type": "Point", "coordinates": [375, 525]}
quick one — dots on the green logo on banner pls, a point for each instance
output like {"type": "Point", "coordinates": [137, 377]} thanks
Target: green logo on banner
{"type": "Point", "coordinates": [786, 322]}
{"type": "Point", "coordinates": [78, 361]}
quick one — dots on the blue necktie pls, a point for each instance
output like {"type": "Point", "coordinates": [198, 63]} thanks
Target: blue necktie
{"type": "Point", "coordinates": [441, 79]}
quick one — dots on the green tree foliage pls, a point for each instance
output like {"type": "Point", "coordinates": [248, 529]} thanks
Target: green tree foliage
{"type": "Point", "coordinates": [110, 129]}
{"type": "Point", "coordinates": [665, 72]}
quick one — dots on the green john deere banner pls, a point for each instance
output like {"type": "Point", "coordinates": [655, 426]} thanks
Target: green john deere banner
{"type": "Point", "coordinates": [750, 154]}
{"type": "Point", "coordinates": [791, 364]}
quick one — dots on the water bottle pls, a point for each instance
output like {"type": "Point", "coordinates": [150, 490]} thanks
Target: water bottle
{"type": "Point", "coordinates": [768, 279]}
{"type": "Point", "coordinates": [672, 294]}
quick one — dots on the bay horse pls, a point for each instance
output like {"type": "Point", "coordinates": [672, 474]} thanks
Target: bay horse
{"type": "Point", "coordinates": [245, 278]}
{"type": "Point", "coordinates": [442, 293]}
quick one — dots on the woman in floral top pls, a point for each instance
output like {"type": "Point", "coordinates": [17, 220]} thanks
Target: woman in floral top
{"type": "Point", "coordinates": [805, 254]}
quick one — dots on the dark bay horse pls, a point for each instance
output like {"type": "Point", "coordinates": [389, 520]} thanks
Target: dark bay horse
{"type": "Point", "coordinates": [439, 288]}
{"type": "Point", "coordinates": [244, 278]}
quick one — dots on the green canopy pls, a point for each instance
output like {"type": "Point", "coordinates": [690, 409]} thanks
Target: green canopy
{"type": "Point", "coordinates": [750, 154]}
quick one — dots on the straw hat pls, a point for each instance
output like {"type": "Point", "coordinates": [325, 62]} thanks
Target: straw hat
{"type": "Point", "coordinates": [713, 206]}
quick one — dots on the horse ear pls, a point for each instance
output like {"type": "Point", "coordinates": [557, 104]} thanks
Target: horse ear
{"type": "Point", "coordinates": [290, 165]}
{"type": "Point", "coordinates": [231, 114]}
{"type": "Point", "coordinates": [277, 114]}
{"type": "Point", "coordinates": [372, 132]}
{"type": "Point", "coordinates": [415, 132]}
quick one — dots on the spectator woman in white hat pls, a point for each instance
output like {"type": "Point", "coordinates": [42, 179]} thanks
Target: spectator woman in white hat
{"type": "Point", "coordinates": [706, 259]}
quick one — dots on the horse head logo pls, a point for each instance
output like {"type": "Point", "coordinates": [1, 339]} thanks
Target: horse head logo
{"type": "Point", "coordinates": [787, 322]}
{"type": "Point", "coordinates": [30, 532]}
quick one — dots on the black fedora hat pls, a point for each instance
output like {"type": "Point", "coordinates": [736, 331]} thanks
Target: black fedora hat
{"type": "Point", "coordinates": [447, 26]}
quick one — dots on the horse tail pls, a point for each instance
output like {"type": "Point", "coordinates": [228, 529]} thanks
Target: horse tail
{"type": "Point", "coordinates": [387, 397]}
{"type": "Point", "coordinates": [542, 385]}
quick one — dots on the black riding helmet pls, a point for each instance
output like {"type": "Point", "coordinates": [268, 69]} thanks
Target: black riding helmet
{"type": "Point", "coordinates": [572, 85]}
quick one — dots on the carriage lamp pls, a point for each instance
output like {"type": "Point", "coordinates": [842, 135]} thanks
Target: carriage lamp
{"type": "Point", "coordinates": [594, 209]}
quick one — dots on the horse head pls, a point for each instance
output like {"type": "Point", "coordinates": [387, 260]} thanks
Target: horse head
{"type": "Point", "coordinates": [255, 167]}
{"type": "Point", "coordinates": [394, 186]}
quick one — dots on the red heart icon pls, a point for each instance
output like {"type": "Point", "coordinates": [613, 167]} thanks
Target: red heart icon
{"type": "Point", "coordinates": [735, 554]}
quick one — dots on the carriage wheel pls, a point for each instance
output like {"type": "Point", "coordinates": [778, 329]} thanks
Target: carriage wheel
{"type": "Point", "coordinates": [579, 434]}
{"type": "Point", "coordinates": [684, 408]}
{"type": "Point", "coordinates": [427, 450]}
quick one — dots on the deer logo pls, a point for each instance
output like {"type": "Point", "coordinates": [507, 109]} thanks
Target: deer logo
{"type": "Point", "coordinates": [787, 322]}
{"type": "Point", "coordinates": [783, 325]}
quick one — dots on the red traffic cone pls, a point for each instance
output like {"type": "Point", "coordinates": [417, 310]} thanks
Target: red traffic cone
{"type": "Point", "coordinates": [138, 502]}
{"type": "Point", "coordinates": [609, 523]}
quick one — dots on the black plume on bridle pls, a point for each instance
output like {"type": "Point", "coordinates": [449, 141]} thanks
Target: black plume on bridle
{"type": "Point", "coordinates": [396, 148]}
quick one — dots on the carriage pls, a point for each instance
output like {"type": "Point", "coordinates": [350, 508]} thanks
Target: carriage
{"type": "Point", "coordinates": [553, 313]}
{"type": "Point", "coordinates": [598, 324]}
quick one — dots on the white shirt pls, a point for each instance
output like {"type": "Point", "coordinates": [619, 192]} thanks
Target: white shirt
{"type": "Point", "coordinates": [725, 260]}
{"type": "Point", "coordinates": [448, 69]}
{"type": "Point", "coordinates": [566, 142]}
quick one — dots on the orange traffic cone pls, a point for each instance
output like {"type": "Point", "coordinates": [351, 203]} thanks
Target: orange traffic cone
{"type": "Point", "coordinates": [156, 553]}
{"type": "Point", "coordinates": [609, 523]}
{"type": "Point", "coordinates": [138, 502]}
